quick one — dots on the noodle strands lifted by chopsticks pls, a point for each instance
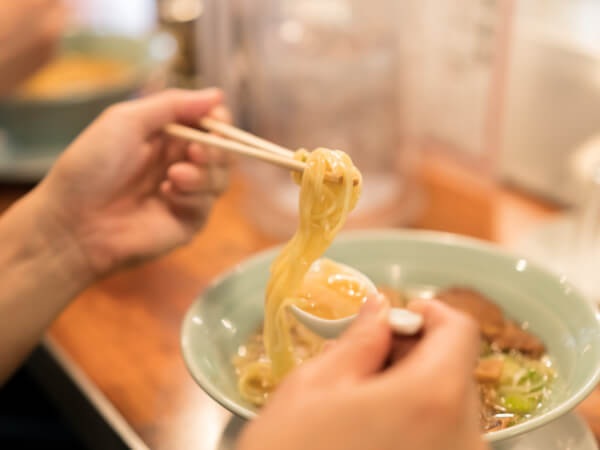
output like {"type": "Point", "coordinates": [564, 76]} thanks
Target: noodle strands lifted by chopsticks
{"type": "Point", "coordinates": [323, 210]}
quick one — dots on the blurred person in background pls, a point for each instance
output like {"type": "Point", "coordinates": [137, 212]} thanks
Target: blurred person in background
{"type": "Point", "coordinates": [30, 31]}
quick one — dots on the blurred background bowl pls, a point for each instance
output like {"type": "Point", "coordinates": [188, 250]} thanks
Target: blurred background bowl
{"type": "Point", "coordinates": [46, 125]}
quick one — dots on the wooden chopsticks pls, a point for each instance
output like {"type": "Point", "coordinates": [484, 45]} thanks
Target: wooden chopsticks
{"type": "Point", "coordinates": [242, 143]}
{"type": "Point", "coordinates": [245, 137]}
{"type": "Point", "coordinates": [191, 134]}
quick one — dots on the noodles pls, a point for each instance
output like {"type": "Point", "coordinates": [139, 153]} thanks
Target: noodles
{"type": "Point", "coordinates": [323, 210]}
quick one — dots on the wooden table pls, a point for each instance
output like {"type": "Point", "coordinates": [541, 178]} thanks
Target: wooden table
{"type": "Point", "coordinates": [118, 344]}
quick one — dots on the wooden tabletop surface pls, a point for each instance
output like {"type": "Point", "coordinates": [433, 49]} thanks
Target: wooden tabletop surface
{"type": "Point", "coordinates": [122, 335]}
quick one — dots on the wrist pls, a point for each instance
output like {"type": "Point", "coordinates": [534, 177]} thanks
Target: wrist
{"type": "Point", "coordinates": [41, 271]}
{"type": "Point", "coordinates": [42, 236]}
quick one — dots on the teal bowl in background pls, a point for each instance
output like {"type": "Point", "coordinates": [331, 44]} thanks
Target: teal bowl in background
{"type": "Point", "coordinates": [231, 309]}
{"type": "Point", "coordinates": [48, 125]}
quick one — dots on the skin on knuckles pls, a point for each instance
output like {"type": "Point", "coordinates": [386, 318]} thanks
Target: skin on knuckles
{"type": "Point", "coordinates": [217, 163]}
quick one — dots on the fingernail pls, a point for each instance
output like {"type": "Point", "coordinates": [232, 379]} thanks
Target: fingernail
{"type": "Point", "coordinates": [375, 305]}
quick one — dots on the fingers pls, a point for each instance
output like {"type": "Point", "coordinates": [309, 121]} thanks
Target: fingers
{"type": "Point", "coordinates": [149, 115]}
{"type": "Point", "coordinates": [174, 151]}
{"type": "Point", "coordinates": [187, 178]}
{"type": "Point", "coordinates": [200, 153]}
{"type": "Point", "coordinates": [362, 350]}
{"type": "Point", "coordinates": [191, 190]}
{"type": "Point", "coordinates": [221, 113]}
{"type": "Point", "coordinates": [192, 207]}
{"type": "Point", "coordinates": [402, 346]}
{"type": "Point", "coordinates": [202, 156]}
{"type": "Point", "coordinates": [449, 342]}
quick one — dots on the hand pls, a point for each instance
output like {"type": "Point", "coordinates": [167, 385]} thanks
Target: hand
{"type": "Point", "coordinates": [124, 191]}
{"type": "Point", "coordinates": [342, 399]}
{"type": "Point", "coordinates": [29, 33]}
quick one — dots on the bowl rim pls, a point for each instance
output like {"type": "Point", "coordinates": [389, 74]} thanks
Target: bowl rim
{"type": "Point", "coordinates": [429, 236]}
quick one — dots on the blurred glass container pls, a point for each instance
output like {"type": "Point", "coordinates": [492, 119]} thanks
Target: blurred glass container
{"type": "Point", "coordinates": [393, 83]}
{"type": "Point", "coordinates": [569, 243]}
{"type": "Point", "coordinates": [308, 74]}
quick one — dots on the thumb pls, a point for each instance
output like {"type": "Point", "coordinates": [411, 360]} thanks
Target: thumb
{"type": "Point", "coordinates": [173, 105]}
{"type": "Point", "coordinates": [364, 347]}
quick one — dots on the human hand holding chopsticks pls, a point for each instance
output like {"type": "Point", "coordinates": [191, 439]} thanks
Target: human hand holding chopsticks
{"type": "Point", "coordinates": [122, 192]}
{"type": "Point", "coordinates": [243, 143]}
{"type": "Point", "coordinates": [134, 191]}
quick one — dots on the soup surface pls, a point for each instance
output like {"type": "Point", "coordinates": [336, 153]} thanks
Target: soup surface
{"type": "Point", "coordinates": [514, 375]}
{"type": "Point", "coordinates": [72, 73]}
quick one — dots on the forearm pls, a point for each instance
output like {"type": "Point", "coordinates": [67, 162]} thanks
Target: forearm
{"type": "Point", "coordinates": [41, 270]}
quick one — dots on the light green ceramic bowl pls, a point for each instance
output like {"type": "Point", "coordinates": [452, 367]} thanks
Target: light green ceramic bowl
{"type": "Point", "coordinates": [48, 125]}
{"type": "Point", "coordinates": [232, 308]}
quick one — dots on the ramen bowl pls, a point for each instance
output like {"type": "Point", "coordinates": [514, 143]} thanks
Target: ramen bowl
{"type": "Point", "coordinates": [231, 309]}
{"type": "Point", "coordinates": [46, 124]}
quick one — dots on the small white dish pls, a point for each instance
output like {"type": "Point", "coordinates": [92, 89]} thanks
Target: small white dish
{"type": "Point", "coordinates": [402, 322]}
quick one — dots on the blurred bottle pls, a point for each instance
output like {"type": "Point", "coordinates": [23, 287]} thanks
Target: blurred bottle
{"type": "Point", "coordinates": [179, 18]}
{"type": "Point", "coordinates": [309, 74]}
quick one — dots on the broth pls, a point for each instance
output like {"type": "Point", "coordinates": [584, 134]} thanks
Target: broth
{"type": "Point", "coordinates": [515, 377]}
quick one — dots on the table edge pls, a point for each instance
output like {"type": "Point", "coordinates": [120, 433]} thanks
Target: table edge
{"type": "Point", "coordinates": [98, 400]}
